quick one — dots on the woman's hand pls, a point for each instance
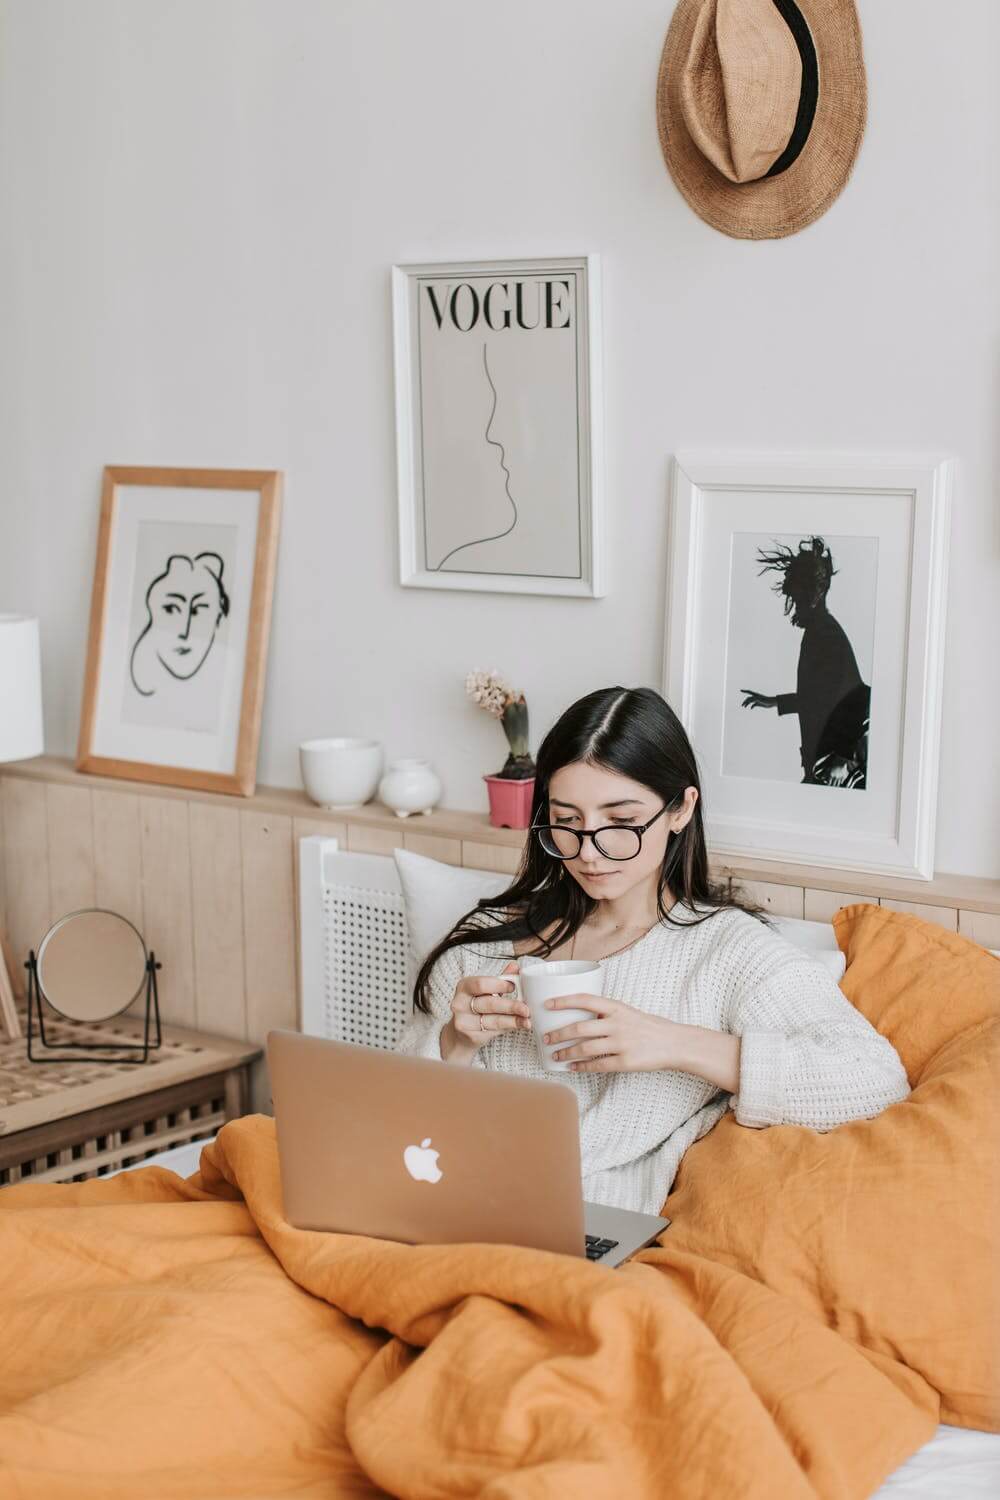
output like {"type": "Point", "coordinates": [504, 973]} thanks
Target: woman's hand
{"type": "Point", "coordinates": [480, 1007]}
{"type": "Point", "coordinates": [620, 1039]}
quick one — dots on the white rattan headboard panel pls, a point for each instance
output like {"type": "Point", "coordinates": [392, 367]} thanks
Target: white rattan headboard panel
{"type": "Point", "coordinates": [353, 945]}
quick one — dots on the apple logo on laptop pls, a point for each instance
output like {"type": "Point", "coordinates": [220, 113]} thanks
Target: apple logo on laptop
{"type": "Point", "coordinates": [421, 1163]}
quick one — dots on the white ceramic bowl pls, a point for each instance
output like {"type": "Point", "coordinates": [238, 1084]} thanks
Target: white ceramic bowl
{"type": "Point", "coordinates": [340, 772]}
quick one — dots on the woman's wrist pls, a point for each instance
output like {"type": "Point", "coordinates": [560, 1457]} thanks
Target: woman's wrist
{"type": "Point", "coordinates": [711, 1055]}
{"type": "Point", "coordinates": [453, 1049]}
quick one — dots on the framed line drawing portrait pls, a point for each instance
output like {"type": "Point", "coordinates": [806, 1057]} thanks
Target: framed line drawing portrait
{"type": "Point", "coordinates": [804, 651]}
{"type": "Point", "coordinates": [179, 625]}
{"type": "Point", "coordinates": [499, 427]}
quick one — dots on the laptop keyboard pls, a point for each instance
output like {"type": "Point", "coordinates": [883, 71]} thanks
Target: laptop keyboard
{"type": "Point", "coordinates": [598, 1247]}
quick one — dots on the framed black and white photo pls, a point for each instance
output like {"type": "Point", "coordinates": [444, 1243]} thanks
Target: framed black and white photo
{"type": "Point", "coordinates": [499, 425]}
{"type": "Point", "coordinates": [804, 649]}
{"type": "Point", "coordinates": [179, 624]}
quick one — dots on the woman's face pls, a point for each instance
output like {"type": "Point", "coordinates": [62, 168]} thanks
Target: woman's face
{"type": "Point", "coordinates": [186, 609]}
{"type": "Point", "coordinates": [586, 796]}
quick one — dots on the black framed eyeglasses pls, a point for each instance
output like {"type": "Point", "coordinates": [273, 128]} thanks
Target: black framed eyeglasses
{"type": "Point", "coordinates": [615, 840]}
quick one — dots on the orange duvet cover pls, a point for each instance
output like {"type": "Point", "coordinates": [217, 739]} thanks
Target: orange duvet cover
{"type": "Point", "coordinates": [818, 1305]}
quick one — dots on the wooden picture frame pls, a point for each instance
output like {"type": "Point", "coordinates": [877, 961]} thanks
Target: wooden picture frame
{"type": "Point", "coordinates": [9, 1020]}
{"type": "Point", "coordinates": [215, 534]}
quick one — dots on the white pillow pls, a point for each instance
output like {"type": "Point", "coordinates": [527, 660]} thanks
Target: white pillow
{"type": "Point", "coordinates": [817, 938]}
{"type": "Point", "coordinates": [436, 895]}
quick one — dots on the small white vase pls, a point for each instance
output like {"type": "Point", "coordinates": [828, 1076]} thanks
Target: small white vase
{"type": "Point", "coordinates": [409, 786]}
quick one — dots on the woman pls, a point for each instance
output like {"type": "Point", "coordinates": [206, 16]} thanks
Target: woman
{"type": "Point", "coordinates": [831, 700]}
{"type": "Point", "coordinates": [704, 1005]}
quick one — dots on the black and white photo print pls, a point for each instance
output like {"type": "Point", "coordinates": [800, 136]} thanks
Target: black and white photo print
{"type": "Point", "coordinates": [804, 651]}
{"type": "Point", "coordinates": [825, 610]}
{"type": "Point", "coordinates": [804, 636]}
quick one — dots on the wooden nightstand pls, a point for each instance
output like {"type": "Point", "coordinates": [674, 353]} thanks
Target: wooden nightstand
{"type": "Point", "coordinates": [66, 1121]}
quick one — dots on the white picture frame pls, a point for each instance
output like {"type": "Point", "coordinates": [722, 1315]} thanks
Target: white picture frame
{"type": "Point", "coordinates": [890, 516]}
{"type": "Point", "coordinates": [499, 425]}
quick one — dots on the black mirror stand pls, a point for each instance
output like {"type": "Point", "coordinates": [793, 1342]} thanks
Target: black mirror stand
{"type": "Point", "coordinates": [125, 1050]}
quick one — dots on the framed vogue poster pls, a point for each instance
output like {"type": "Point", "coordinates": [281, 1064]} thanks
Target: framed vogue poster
{"type": "Point", "coordinates": [499, 425]}
{"type": "Point", "coordinates": [179, 624]}
{"type": "Point", "coordinates": [804, 650]}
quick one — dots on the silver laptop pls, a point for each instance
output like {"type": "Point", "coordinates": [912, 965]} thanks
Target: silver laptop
{"type": "Point", "coordinates": [404, 1148]}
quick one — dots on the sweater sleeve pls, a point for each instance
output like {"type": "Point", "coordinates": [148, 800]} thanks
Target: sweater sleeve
{"type": "Point", "coordinates": [807, 1056]}
{"type": "Point", "coordinates": [421, 1035]}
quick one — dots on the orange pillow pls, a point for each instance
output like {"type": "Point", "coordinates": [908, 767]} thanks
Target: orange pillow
{"type": "Point", "coordinates": [918, 984]}
{"type": "Point", "coordinates": [887, 1229]}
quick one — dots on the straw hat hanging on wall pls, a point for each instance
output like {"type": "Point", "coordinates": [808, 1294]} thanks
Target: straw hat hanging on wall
{"type": "Point", "coordinates": [761, 109]}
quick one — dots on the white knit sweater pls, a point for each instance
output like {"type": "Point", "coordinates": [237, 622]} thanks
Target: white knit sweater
{"type": "Point", "coordinates": [807, 1056]}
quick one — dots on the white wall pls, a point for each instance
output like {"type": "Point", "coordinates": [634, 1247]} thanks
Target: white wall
{"type": "Point", "coordinates": [200, 201]}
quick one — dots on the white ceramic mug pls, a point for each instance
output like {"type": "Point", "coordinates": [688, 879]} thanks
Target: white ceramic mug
{"type": "Point", "coordinates": [540, 980]}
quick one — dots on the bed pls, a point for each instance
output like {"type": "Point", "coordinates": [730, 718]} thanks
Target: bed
{"type": "Point", "coordinates": [955, 1464]}
{"type": "Point", "coordinates": [835, 1378]}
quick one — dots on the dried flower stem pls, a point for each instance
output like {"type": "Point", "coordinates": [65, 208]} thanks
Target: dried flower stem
{"type": "Point", "coordinates": [490, 691]}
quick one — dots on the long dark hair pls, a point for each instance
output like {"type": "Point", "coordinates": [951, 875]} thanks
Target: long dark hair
{"type": "Point", "coordinates": [636, 733]}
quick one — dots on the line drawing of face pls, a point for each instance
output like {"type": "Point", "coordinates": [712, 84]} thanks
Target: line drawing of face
{"type": "Point", "coordinates": [493, 442]}
{"type": "Point", "coordinates": [185, 604]}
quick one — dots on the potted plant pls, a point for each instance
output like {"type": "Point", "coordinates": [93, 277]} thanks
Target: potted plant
{"type": "Point", "coordinates": [512, 788]}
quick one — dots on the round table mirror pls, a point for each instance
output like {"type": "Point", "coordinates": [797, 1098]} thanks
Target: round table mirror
{"type": "Point", "coordinates": [91, 965]}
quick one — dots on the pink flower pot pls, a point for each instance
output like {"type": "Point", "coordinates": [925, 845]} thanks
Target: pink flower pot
{"type": "Point", "coordinates": [510, 801]}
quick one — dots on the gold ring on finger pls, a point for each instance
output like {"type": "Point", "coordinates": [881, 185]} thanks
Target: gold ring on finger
{"type": "Point", "coordinates": [472, 1005]}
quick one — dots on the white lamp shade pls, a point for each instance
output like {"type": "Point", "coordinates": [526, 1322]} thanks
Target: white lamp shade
{"type": "Point", "coordinates": [20, 688]}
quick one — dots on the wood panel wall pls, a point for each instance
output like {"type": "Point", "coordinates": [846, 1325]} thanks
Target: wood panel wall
{"type": "Point", "coordinates": [210, 882]}
{"type": "Point", "coordinates": [211, 888]}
